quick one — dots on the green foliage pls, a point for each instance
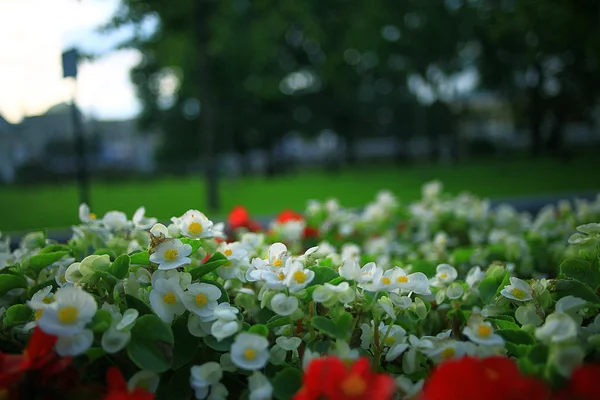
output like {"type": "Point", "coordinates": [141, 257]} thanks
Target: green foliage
{"type": "Point", "coordinates": [9, 282]}
{"type": "Point", "coordinates": [214, 262]}
{"type": "Point", "coordinates": [101, 321]}
{"type": "Point", "coordinates": [120, 267]}
{"type": "Point", "coordinates": [286, 383]}
{"type": "Point", "coordinates": [43, 260]}
{"type": "Point", "coordinates": [16, 315]}
{"type": "Point", "coordinates": [151, 344]}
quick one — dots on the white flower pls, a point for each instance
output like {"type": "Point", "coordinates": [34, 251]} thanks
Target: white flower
{"type": "Point", "coordinates": [416, 282]}
{"type": "Point", "coordinates": [85, 215]}
{"type": "Point", "coordinates": [407, 388]}
{"type": "Point", "coordinates": [143, 379]}
{"type": "Point", "coordinates": [446, 350]}
{"type": "Point", "coordinates": [329, 293]}
{"type": "Point", "coordinates": [202, 377]}
{"type": "Point", "coordinates": [115, 220]}
{"type": "Point", "coordinates": [350, 251]}
{"type": "Point", "coordinates": [297, 277]}
{"type": "Point", "coordinates": [445, 274]}
{"type": "Point", "coordinates": [70, 312]}
{"type": "Point", "coordinates": [74, 345]}
{"type": "Point", "coordinates": [235, 253]}
{"type": "Point", "coordinates": [194, 224]}
{"type": "Point", "coordinates": [558, 328]}
{"type": "Point", "coordinates": [171, 254]}
{"type": "Point", "coordinates": [201, 298]}
{"type": "Point", "coordinates": [567, 358]}
{"type": "Point", "coordinates": [260, 387]}
{"type": "Point", "coordinates": [166, 299]}
{"type": "Point", "coordinates": [518, 290]}
{"type": "Point", "coordinates": [218, 392]}
{"type": "Point", "coordinates": [288, 343]}
{"type": "Point", "coordinates": [250, 351]}
{"type": "Point", "coordinates": [431, 190]}
{"type": "Point", "coordinates": [197, 327]}
{"type": "Point", "coordinates": [284, 305]}
{"type": "Point", "coordinates": [571, 305]}
{"type": "Point", "coordinates": [159, 230]}
{"type": "Point", "coordinates": [277, 355]}
{"type": "Point", "coordinates": [140, 221]}
{"type": "Point", "coordinates": [529, 314]}
{"type": "Point", "coordinates": [226, 324]}
{"type": "Point", "coordinates": [42, 298]}
{"type": "Point", "coordinates": [481, 332]}
{"type": "Point", "coordinates": [474, 276]}
{"type": "Point", "coordinates": [454, 291]}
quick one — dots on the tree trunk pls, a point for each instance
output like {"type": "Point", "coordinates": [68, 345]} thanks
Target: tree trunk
{"type": "Point", "coordinates": [207, 120]}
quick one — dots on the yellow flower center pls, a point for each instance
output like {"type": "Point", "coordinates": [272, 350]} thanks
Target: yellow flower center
{"type": "Point", "coordinates": [228, 253]}
{"type": "Point", "coordinates": [228, 264]}
{"type": "Point", "coordinates": [385, 280]}
{"type": "Point", "coordinates": [390, 340]}
{"type": "Point", "coordinates": [48, 299]}
{"type": "Point", "coordinates": [443, 275]}
{"type": "Point", "coordinates": [448, 353]}
{"type": "Point", "coordinates": [63, 278]}
{"type": "Point", "coordinates": [195, 228]}
{"type": "Point", "coordinates": [171, 254]}
{"type": "Point", "coordinates": [93, 216]}
{"type": "Point", "coordinates": [169, 298]}
{"type": "Point", "coordinates": [68, 314]}
{"type": "Point", "coordinates": [249, 354]}
{"type": "Point", "coordinates": [38, 314]}
{"type": "Point", "coordinates": [299, 276]}
{"type": "Point", "coordinates": [402, 279]}
{"type": "Point", "coordinates": [354, 386]}
{"type": "Point", "coordinates": [201, 300]}
{"type": "Point", "coordinates": [484, 331]}
{"type": "Point", "coordinates": [278, 263]}
{"type": "Point", "coordinates": [518, 293]}
{"type": "Point", "coordinates": [281, 276]}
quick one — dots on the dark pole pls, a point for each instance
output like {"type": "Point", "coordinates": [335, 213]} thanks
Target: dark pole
{"type": "Point", "coordinates": [207, 118]}
{"type": "Point", "coordinates": [70, 59]}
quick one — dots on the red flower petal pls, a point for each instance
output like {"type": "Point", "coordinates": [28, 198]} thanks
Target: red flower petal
{"type": "Point", "coordinates": [289, 215]}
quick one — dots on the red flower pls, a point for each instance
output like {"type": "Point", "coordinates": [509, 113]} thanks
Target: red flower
{"type": "Point", "coordinates": [330, 378]}
{"type": "Point", "coordinates": [583, 384]}
{"type": "Point", "coordinates": [239, 218]}
{"type": "Point", "coordinates": [488, 378]}
{"type": "Point", "coordinates": [117, 388]}
{"type": "Point", "coordinates": [289, 215]}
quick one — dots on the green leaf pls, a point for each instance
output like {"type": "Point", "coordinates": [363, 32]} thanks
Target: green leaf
{"type": "Point", "coordinates": [101, 321]}
{"type": "Point", "coordinates": [502, 324]}
{"type": "Point", "coordinates": [581, 270]}
{"type": "Point", "coordinates": [260, 329]}
{"type": "Point", "coordinates": [518, 350]}
{"type": "Point", "coordinates": [134, 302]}
{"type": "Point", "coordinates": [488, 288]}
{"type": "Point", "coordinates": [209, 266]}
{"type": "Point", "coordinates": [105, 251]}
{"type": "Point", "coordinates": [222, 346]}
{"type": "Point", "coordinates": [278, 321]}
{"type": "Point", "coordinates": [54, 248]}
{"type": "Point", "coordinates": [17, 315]}
{"type": "Point", "coordinates": [151, 344]}
{"type": "Point", "coordinates": [107, 277]}
{"type": "Point", "coordinates": [515, 336]}
{"type": "Point", "coordinates": [538, 354]}
{"type": "Point", "coordinates": [42, 260]}
{"type": "Point", "coordinates": [323, 275]}
{"type": "Point", "coordinates": [34, 289]}
{"type": "Point", "coordinates": [9, 282]}
{"type": "Point", "coordinates": [120, 267]}
{"type": "Point", "coordinates": [195, 243]}
{"type": "Point", "coordinates": [286, 383]}
{"type": "Point", "coordinates": [343, 323]}
{"type": "Point", "coordinates": [94, 353]}
{"type": "Point", "coordinates": [326, 326]}
{"type": "Point", "coordinates": [186, 345]}
{"type": "Point", "coordinates": [179, 385]}
{"type": "Point", "coordinates": [140, 258]}
{"type": "Point", "coordinates": [426, 267]}
{"type": "Point", "coordinates": [564, 287]}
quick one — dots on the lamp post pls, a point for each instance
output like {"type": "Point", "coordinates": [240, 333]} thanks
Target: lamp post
{"type": "Point", "coordinates": [69, 61]}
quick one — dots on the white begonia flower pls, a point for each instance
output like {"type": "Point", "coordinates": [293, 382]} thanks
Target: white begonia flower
{"type": "Point", "coordinates": [236, 254]}
{"type": "Point", "coordinates": [446, 350]}
{"type": "Point", "coordinates": [226, 323]}
{"type": "Point", "coordinates": [529, 314]}
{"type": "Point", "coordinates": [72, 309]}
{"type": "Point", "coordinates": [292, 230]}
{"type": "Point", "coordinates": [566, 358]}
{"type": "Point", "coordinates": [60, 278]}
{"type": "Point", "coordinates": [195, 224]}
{"type": "Point", "coordinates": [518, 290]}
{"type": "Point", "coordinates": [350, 251]}
{"type": "Point", "coordinates": [454, 291]}
{"type": "Point", "coordinates": [288, 343]}
{"type": "Point", "coordinates": [197, 327]}
{"type": "Point", "coordinates": [226, 363]}
{"type": "Point", "coordinates": [115, 220]}
{"type": "Point", "coordinates": [171, 254]}
{"type": "Point", "coordinates": [284, 305]}
{"type": "Point", "coordinates": [159, 230]}
{"type": "Point", "coordinates": [201, 299]}
{"type": "Point", "coordinates": [202, 377]}
{"type": "Point", "coordinates": [445, 274]}
{"type": "Point", "coordinates": [114, 340]}
{"type": "Point", "coordinates": [558, 328]}
{"type": "Point", "coordinates": [297, 277]}
{"type": "Point", "coordinates": [85, 215]}
{"type": "Point", "coordinates": [250, 351]}
{"type": "Point", "coordinates": [350, 270]}
{"type": "Point", "coordinates": [388, 306]}
{"type": "Point", "coordinates": [403, 302]}
{"type": "Point", "coordinates": [252, 241]}
{"type": "Point", "coordinates": [259, 386]}
{"type": "Point", "coordinates": [396, 351]}
{"type": "Point", "coordinates": [277, 355]}
{"type": "Point", "coordinates": [183, 278]}
{"type": "Point", "coordinates": [74, 345]}
{"type": "Point", "coordinates": [308, 357]}
{"type": "Point", "coordinates": [571, 305]}
{"type": "Point", "coordinates": [166, 299]}
{"type": "Point", "coordinates": [144, 379]}
{"type": "Point", "coordinates": [41, 299]}
{"type": "Point", "coordinates": [140, 221]}
{"type": "Point", "coordinates": [474, 276]}
{"type": "Point", "coordinates": [331, 293]}
{"type": "Point", "coordinates": [416, 282]}
{"type": "Point", "coordinates": [342, 350]}
{"type": "Point", "coordinates": [481, 332]}
{"type": "Point", "coordinates": [408, 389]}
{"type": "Point", "coordinates": [218, 392]}
{"type": "Point", "coordinates": [118, 335]}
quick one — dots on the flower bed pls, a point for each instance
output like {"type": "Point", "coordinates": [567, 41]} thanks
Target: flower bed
{"type": "Point", "coordinates": [445, 298]}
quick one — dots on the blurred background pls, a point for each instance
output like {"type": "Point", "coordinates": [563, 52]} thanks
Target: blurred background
{"type": "Point", "coordinates": [208, 104]}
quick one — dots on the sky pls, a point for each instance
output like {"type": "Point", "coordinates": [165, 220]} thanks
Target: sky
{"type": "Point", "coordinates": [33, 35]}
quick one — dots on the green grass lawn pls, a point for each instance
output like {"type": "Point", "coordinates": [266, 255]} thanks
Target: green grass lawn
{"type": "Point", "coordinates": [25, 208]}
